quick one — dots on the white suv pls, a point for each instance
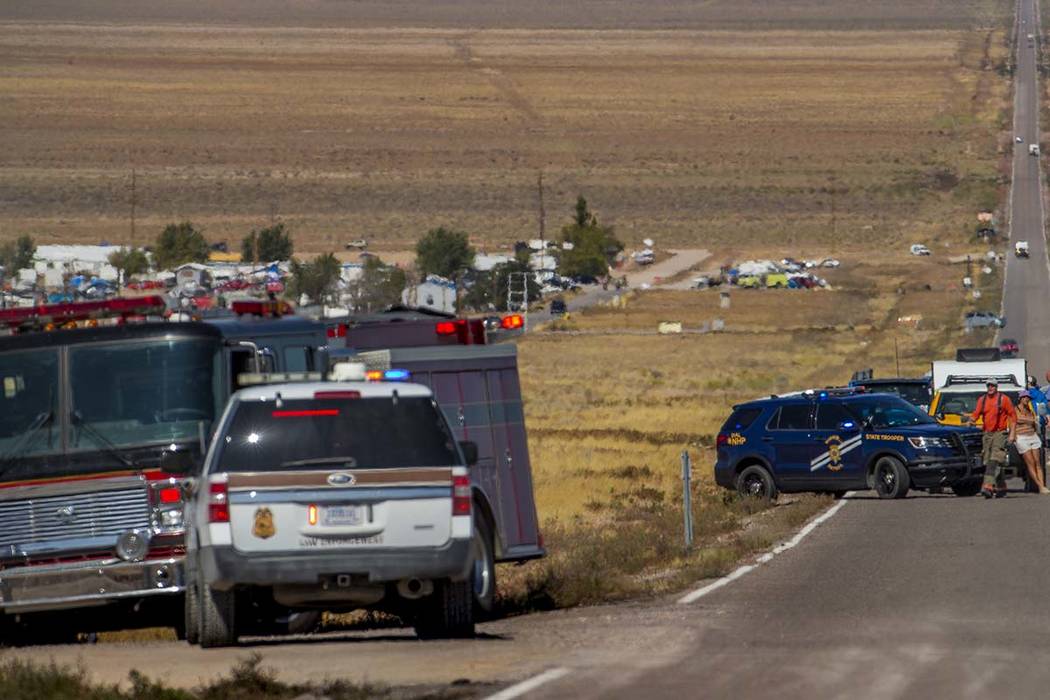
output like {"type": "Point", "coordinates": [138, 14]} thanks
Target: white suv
{"type": "Point", "coordinates": [332, 495]}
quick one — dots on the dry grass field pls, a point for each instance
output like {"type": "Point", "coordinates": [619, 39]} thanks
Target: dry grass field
{"type": "Point", "coordinates": [691, 136]}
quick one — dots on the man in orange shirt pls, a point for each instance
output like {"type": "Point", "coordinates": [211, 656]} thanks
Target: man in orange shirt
{"type": "Point", "coordinates": [996, 413]}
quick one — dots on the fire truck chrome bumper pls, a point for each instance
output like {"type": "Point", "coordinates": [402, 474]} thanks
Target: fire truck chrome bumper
{"type": "Point", "coordinates": [37, 588]}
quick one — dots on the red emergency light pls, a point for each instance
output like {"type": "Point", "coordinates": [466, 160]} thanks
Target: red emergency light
{"type": "Point", "coordinates": [467, 331]}
{"type": "Point", "coordinates": [262, 308]}
{"type": "Point", "coordinates": [337, 331]}
{"type": "Point", "coordinates": [52, 316]}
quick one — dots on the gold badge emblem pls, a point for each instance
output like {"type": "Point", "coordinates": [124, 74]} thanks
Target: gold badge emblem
{"type": "Point", "coordinates": [834, 444]}
{"type": "Point", "coordinates": [263, 527]}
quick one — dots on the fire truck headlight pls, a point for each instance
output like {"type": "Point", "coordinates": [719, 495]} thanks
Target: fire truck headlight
{"type": "Point", "coordinates": [171, 519]}
{"type": "Point", "coordinates": [132, 546]}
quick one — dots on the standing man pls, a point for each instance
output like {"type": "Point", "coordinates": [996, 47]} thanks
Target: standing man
{"type": "Point", "coordinates": [996, 413]}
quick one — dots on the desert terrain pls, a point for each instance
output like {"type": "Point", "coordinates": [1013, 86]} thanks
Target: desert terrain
{"type": "Point", "coordinates": [713, 124]}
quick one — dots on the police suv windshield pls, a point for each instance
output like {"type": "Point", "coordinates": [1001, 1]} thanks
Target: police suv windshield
{"type": "Point", "coordinates": [319, 434]}
{"type": "Point", "coordinates": [887, 412]}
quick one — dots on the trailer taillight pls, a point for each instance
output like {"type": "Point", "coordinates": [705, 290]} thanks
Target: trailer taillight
{"type": "Point", "coordinates": [513, 322]}
{"type": "Point", "coordinates": [468, 331]}
{"type": "Point", "coordinates": [218, 503]}
{"type": "Point", "coordinates": [461, 497]}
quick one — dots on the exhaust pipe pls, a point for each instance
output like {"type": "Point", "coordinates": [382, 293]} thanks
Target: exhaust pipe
{"type": "Point", "coordinates": [414, 588]}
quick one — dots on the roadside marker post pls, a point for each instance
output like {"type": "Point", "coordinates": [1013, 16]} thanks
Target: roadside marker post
{"type": "Point", "coordinates": [687, 497]}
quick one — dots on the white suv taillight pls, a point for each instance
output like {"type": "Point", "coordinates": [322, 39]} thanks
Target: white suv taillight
{"type": "Point", "coordinates": [461, 496]}
{"type": "Point", "coordinates": [218, 503]}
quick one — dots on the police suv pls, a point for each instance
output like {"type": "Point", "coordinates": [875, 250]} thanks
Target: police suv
{"type": "Point", "coordinates": [834, 441]}
{"type": "Point", "coordinates": [335, 495]}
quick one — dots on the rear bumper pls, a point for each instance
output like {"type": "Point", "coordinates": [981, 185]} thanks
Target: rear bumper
{"type": "Point", "coordinates": [225, 567]}
{"type": "Point", "coordinates": [84, 584]}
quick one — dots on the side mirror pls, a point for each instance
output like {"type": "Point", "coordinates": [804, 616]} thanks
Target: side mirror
{"type": "Point", "coordinates": [470, 452]}
{"type": "Point", "coordinates": [939, 416]}
{"type": "Point", "coordinates": [177, 462]}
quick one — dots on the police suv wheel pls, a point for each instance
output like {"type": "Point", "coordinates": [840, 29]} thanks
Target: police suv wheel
{"type": "Point", "coordinates": [890, 478]}
{"type": "Point", "coordinates": [756, 482]}
{"type": "Point", "coordinates": [218, 616]}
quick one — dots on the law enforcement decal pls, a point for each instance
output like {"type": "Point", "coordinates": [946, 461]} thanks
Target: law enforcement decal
{"type": "Point", "coordinates": [832, 459]}
{"type": "Point", "coordinates": [879, 436]}
{"type": "Point", "coordinates": [263, 527]}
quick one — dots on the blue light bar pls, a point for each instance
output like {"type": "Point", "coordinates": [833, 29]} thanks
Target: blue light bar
{"type": "Point", "coordinates": [396, 375]}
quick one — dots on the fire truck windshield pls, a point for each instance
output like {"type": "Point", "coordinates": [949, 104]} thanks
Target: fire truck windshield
{"type": "Point", "coordinates": [147, 393]}
{"type": "Point", "coordinates": [28, 403]}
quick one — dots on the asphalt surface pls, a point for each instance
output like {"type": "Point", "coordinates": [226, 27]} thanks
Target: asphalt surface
{"type": "Point", "coordinates": [1027, 279]}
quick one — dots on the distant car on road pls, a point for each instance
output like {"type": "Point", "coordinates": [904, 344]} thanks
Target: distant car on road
{"type": "Point", "coordinates": [558, 307]}
{"type": "Point", "coordinates": [919, 249]}
{"type": "Point", "coordinates": [836, 441]}
{"type": "Point", "coordinates": [1008, 347]}
{"type": "Point", "coordinates": [1033, 150]}
{"type": "Point", "coordinates": [984, 319]}
{"type": "Point", "coordinates": [1019, 139]}
{"type": "Point", "coordinates": [1021, 249]}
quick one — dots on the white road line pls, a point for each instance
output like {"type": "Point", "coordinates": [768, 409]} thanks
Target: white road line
{"type": "Point", "coordinates": [529, 684]}
{"type": "Point", "coordinates": [765, 558]}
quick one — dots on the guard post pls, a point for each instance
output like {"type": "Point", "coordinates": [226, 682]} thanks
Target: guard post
{"type": "Point", "coordinates": [687, 497]}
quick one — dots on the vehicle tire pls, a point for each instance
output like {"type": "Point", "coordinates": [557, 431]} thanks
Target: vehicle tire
{"type": "Point", "coordinates": [448, 613]}
{"type": "Point", "coordinates": [756, 481]}
{"type": "Point", "coordinates": [483, 573]}
{"type": "Point", "coordinates": [891, 478]}
{"type": "Point", "coordinates": [966, 489]}
{"type": "Point", "coordinates": [218, 616]}
{"type": "Point", "coordinates": [191, 614]}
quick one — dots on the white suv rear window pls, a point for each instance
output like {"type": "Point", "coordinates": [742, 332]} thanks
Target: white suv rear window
{"type": "Point", "coordinates": [373, 433]}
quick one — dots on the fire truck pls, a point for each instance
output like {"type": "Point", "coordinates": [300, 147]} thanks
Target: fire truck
{"type": "Point", "coordinates": [103, 404]}
{"type": "Point", "coordinates": [106, 406]}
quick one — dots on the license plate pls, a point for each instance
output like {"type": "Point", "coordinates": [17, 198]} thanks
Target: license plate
{"type": "Point", "coordinates": [337, 516]}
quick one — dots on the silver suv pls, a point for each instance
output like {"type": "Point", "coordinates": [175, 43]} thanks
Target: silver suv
{"type": "Point", "coordinates": [329, 496]}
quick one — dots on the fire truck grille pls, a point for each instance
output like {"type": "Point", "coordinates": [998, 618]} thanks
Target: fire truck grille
{"type": "Point", "coordinates": [96, 515]}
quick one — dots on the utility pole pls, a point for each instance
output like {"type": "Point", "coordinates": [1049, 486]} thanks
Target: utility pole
{"type": "Point", "coordinates": [134, 202]}
{"type": "Point", "coordinates": [543, 225]}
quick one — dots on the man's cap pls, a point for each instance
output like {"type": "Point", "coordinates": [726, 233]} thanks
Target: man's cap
{"type": "Point", "coordinates": [1024, 394]}
{"type": "Point", "coordinates": [993, 382]}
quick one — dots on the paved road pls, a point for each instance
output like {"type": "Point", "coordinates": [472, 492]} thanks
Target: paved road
{"type": "Point", "coordinates": [928, 597]}
{"type": "Point", "coordinates": [1026, 302]}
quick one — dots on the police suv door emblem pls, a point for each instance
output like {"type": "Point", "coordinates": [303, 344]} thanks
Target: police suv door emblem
{"type": "Point", "coordinates": [263, 526]}
{"type": "Point", "coordinates": [834, 444]}
{"type": "Point", "coordinates": [66, 514]}
{"type": "Point", "coordinates": [342, 479]}
{"type": "Point", "coordinates": [837, 447]}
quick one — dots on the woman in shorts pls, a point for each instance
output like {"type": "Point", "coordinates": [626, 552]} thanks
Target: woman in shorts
{"type": "Point", "coordinates": [1025, 435]}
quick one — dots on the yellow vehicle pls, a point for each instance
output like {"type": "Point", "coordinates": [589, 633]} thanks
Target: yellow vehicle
{"type": "Point", "coordinates": [950, 405]}
{"type": "Point", "coordinates": [959, 383]}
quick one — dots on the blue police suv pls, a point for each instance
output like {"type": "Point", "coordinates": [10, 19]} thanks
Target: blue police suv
{"type": "Point", "coordinates": [834, 441]}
